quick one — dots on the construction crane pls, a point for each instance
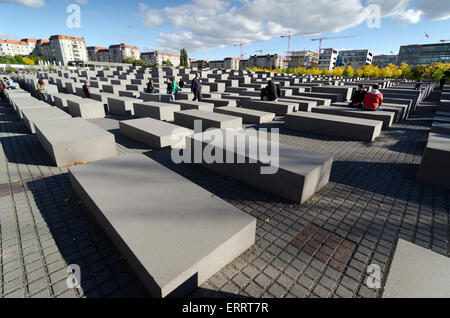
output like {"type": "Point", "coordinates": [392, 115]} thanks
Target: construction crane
{"type": "Point", "coordinates": [241, 44]}
{"type": "Point", "coordinates": [289, 36]}
{"type": "Point", "coordinates": [331, 38]}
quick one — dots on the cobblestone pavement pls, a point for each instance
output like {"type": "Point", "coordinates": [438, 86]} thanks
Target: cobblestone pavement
{"type": "Point", "coordinates": [319, 249]}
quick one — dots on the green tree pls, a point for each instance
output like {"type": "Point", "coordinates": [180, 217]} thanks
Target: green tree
{"type": "Point", "coordinates": [184, 60]}
{"type": "Point", "coordinates": [349, 71]}
{"type": "Point", "coordinates": [167, 63]}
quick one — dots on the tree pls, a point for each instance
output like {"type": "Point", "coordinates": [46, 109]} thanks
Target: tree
{"type": "Point", "coordinates": [27, 61]}
{"type": "Point", "coordinates": [184, 60]}
{"type": "Point", "coordinates": [167, 63]}
{"type": "Point", "coordinates": [338, 71]}
{"type": "Point", "coordinates": [349, 71]}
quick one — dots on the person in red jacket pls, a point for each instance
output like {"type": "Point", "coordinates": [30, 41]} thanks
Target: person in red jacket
{"type": "Point", "coordinates": [374, 99]}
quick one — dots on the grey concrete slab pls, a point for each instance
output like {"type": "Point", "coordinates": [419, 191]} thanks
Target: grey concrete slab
{"type": "Point", "coordinates": [294, 174]}
{"type": "Point", "coordinates": [218, 102]}
{"type": "Point", "coordinates": [162, 98]}
{"type": "Point", "coordinates": [188, 117]}
{"type": "Point", "coordinates": [440, 128]}
{"type": "Point", "coordinates": [60, 100]}
{"type": "Point", "coordinates": [155, 133]}
{"type": "Point", "coordinates": [20, 104]}
{"type": "Point", "coordinates": [32, 115]}
{"type": "Point", "coordinates": [176, 235]}
{"type": "Point", "coordinates": [303, 105]}
{"type": "Point", "coordinates": [187, 104]}
{"type": "Point", "coordinates": [86, 108]}
{"type": "Point", "coordinates": [278, 108]}
{"type": "Point", "coordinates": [122, 105]}
{"type": "Point", "coordinates": [417, 272]}
{"type": "Point", "coordinates": [434, 169]}
{"type": "Point", "coordinates": [67, 141]}
{"type": "Point", "coordinates": [157, 110]}
{"type": "Point", "coordinates": [398, 110]}
{"type": "Point", "coordinates": [386, 117]}
{"type": "Point", "coordinates": [331, 125]}
{"type": "Point", "coordinates": [249, 116]}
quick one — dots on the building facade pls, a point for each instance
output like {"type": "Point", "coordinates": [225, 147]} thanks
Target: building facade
{"type": "Point", "coordinates": [93, 53]}
{"type": "Point", "coordinates": [118, 52]}
{"type": "Point", "coordinates": [10, 47]}
{"type": "Point", "coordinates": [216, 64]}
{"type": "Point", "coordinates": [384, 60]}
{"type": "Point", "coordinates": [424, 54]}
{"type": "Point", "coordinates": [67, 49]}
{"type": "Point", "coordinates": [354, 58]}
{"type": "Point", "coordinates": [32, 46]}
{"type": "Point", "coordinates": [327, 59]}
{"type": "Point", "coordinates": [157, 57]}
{"type": "Point", "coordinates": [266, 61]}
{"type": "Point", "coordinates": [200, 64]}
{"type": "Point", "coordinates": [302, 58]}
{"type": "Point", "coordinates": [231, 63]}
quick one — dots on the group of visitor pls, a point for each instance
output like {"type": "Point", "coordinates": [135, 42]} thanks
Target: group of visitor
{"type": "Point", "coordinates": [367, 100]}
{"type": "Point", "coordinates": [5, 83]}
{"type": "Point", "coordinates": [173, 86]}
{"type": "Point", "coordinates": [272, 92]}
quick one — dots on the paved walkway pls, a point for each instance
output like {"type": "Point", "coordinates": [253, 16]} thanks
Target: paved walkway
{"type": "Point", "coordinates": [319, 249]}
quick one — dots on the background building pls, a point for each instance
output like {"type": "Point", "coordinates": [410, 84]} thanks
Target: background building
{"type": "Point", "coordinates": [266, 61]}
{"type": "Point", "coordinates": [384, 60]}
{"type": "Point", "coordinates": [31, 46]}
{"type": "Point", "coordinates": [200, 63]}
{"type": "Point", "coordinates": [93, 52]}
{"type": "Point", "coordinates": [327, 59]}
{"type": "Point", "coordinates": [424, 54]}
{"type": "Point", "coordinates": [216, 64]}
{"type": "Point", "coordinates": [157, 57]}
{"type": "Point", "coordinates": [302, 58]}
{"type": "Point", "coordinates": [10, 47]}
{"type": "Point", "coordinates": [118, 52]}
{"type": "Point", "coordinates": [354, 58]}
{"type": "Point", "coordinates": [67, 49]}
{"type": "Point", "coordinates": [231, 63]}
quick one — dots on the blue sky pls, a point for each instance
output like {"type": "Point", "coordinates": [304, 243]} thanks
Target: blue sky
{"type": "Point", "coordinates": [210, 27]}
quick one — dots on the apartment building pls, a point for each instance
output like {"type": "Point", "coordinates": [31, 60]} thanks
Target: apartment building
{"type": "Point", "coordinates": [67, 49]}
{"type": "Point", "coordinates": [266, 61]}
{"type": "Point", "coordinates": [327, 59]}
{"type": "Point", "coordinates": [93, 52]}
{"type": "Point", "coordinates": [200, 63]}
{"type": "Point", "coordinates": [157, 57]}
{"type": "Point", "coordinates": [32, 46]}
{"type": "Point", "coordinates": [118, 52]}
{"type": "Point", "coordinates": [218, 64]}
{"type": "Point", "coordinates": [231, 63]}
{"type": "Point", "coordinates": [354, 58]}
{"type": "Point", "coordinates": [302, 58]}
{"type": "Point", "coordinates": [10, 47]}
{"type": "Point", "coordinates": [424, 54]}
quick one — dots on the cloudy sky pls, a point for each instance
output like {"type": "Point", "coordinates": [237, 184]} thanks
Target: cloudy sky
{"type": "Point", "coordinates": [209, 28]}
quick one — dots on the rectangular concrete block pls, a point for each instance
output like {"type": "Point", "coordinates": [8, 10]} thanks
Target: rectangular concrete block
{"type": "Point", "coordinates": [386, 117]}
{"type": "Point", "coordinates": [70, 140]}
{"type": "Point", "coordinates": [60, 100]}
{"type": "Point", "coordinates": [249, 116]}
{"type": "Point", "coordinates": [32, 115]}
{"type": "Point", "coordinates": [440, 128]}
{"type": "Point", "coordinates": [434, 169]}
{"type": "Point", "coordinates": [302, 105]}
{"type": "Point", "coordinates": [122, 105]}
{"type": "Point", "coordinates": [155, 133]}
{"type": "Point", "coordinates": [337, 126]}
{"type": "Point", "coordinates": [278, 108]}
{"type": "Point", "coordinates": [86, 108]}
{"type": "Point", "coordinates": [417, 272]}
{"type": "Point", "coordinates": [187, 119]}
{"type": "Point", "coordinates": [157, 110]}
{"type": "Point", "coordinates": [187, 104]}
{"type": "Point", "coordinates": [173, 233]}
{"type": "Point", "coordinates": [161, 98]}
{"type": "Point", "coordinates": [294, 174]}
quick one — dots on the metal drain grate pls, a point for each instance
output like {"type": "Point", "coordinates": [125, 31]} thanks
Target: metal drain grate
{"type": "Point", "coordinates": [325, 246]}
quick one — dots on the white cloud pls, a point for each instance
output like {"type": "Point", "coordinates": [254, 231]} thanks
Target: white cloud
{"type": "Point", "coordinates": [9, 36]}
{"type": "Point", "coordinates": [151, 17]}
{"type": "Point", "coordinates": [202, 25]}
{"type": "Point", "coordinates": [26, 3]}
{"type": "Point", "coordinates": [434, 9]}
